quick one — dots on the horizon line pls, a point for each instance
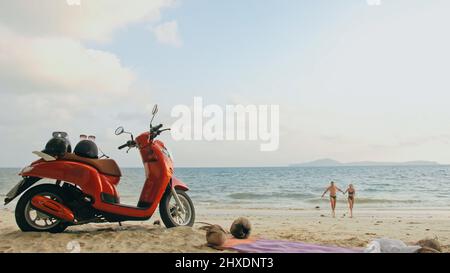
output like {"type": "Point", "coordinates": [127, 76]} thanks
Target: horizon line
{"type": "Point", "coordinates": [294, 165]}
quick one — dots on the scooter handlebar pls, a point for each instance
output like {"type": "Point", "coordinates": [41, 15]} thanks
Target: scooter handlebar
{"type": "Point", "coordinates": [157, 127]}
{"type": "Point", "coordinates": [156, 131]}
{"type": "Point", "coordinates": [123, 146]}
{"type": "Point", "coordinates": [130, 143]}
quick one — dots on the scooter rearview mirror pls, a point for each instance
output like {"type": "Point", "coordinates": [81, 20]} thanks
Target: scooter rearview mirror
{"type": "Point", "coordinates": [155, 109]}
{"type": "Point", "coordinates": [119, 131]}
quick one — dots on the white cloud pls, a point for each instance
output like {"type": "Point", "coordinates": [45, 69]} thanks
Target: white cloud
{"type": "Point", "coordinates": [58, 64]}
{"type": "Point", "coordinates": [91, 20]}
{"type": "Point", "coordinates": [41, 45]}
{"type": "Point", "coordinates": [167, 33]}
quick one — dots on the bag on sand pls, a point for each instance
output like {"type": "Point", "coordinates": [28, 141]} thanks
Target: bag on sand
{"type": "Point", "coordinates": [384, 245]}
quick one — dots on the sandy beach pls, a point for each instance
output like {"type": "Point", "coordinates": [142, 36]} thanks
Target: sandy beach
{"type": "Point", "coordinates": [312, 226]}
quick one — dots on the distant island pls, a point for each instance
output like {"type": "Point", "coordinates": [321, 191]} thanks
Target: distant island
{"type": "Point", "coordinates": [334, 163]}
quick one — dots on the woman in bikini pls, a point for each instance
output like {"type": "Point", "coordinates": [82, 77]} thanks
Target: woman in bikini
{"type": "Point", "coordinates": [333, 191]}
{"type": "Point", "coordinates": [351, 198]}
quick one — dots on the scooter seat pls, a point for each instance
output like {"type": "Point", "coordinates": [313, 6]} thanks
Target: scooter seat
{"type": "Point", "coordinates": [104, 166]}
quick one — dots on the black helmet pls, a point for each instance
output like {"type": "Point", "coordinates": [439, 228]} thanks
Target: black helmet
{"type": "Point", "coordinates": [57, 146]}
{"type": "Point", "coordinates": [86, 148]}
{"type": "Point", "coordinates": [64, 136]}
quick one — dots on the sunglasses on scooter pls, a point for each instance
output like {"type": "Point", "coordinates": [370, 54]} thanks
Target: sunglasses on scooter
{"type": "Point", "coordinates": [84, 137]}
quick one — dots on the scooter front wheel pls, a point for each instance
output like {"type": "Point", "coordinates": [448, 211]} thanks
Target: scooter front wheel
{"type": "Point", "coordinates": [172, 215]}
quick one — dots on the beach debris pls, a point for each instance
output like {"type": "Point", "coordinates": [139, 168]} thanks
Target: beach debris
{"type": "Point", "coordinates": [157, 223]}
{"type": "Point", "coordinates": [427, 229]}
{"type": "Point", "coordinates": [241, 228]}
{"type": "Point", "coordinates": [215, 234]}
{"type": "Point", "coordinates": [432, 244]}
{"type": "Point", "coordinates": [317, 207]}
{"type": "Point", "coordinates": [322, 215]}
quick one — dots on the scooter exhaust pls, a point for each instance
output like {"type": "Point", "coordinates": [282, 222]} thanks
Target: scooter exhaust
{"type": "Point", "coordinates": [52, 208]}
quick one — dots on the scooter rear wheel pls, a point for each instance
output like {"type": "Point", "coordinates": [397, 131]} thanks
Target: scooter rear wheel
{"type": "Point", "coordinates": [28, 219]}
{"type": "Point", "coordinates": [172, 215]}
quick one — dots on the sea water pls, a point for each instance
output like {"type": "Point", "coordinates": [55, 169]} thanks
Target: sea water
{"type": "Point", "coordinates": [293, 187]}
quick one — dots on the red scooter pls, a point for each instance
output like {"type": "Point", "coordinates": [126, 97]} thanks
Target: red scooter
{"type": "Point", "coordinates": [85, 188]}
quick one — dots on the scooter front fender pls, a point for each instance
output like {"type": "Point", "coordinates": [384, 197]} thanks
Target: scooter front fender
{"type": "Point", "coordinates": [178, 184]}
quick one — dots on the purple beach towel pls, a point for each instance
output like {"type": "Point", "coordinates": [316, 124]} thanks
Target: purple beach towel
{"type": "Point", "coordinates": [277, 246]}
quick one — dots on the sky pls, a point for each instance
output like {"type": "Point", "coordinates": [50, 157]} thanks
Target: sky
{"type": "Point", "coordinates": [355, 80]}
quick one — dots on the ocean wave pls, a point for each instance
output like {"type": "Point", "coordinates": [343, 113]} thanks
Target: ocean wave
{"type": "Point", "coordinates": [307, 198]}
{"type": "Point", "coordinates": [249, 195]}
{"type": "Point", "coordinates": [369, 200]}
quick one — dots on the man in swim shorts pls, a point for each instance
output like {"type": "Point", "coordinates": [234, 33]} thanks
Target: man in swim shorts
{"type": "Point", "coordinates": [333, 191]}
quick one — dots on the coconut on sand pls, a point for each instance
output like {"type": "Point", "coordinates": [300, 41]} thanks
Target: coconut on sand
{"type": "Point", "coordinates": [215, 235]}
{"type": "Point", "coordinates": [241, 228]}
